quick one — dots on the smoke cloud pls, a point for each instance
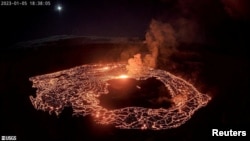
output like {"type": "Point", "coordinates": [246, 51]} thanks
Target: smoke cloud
{"type": "Point", "coordinates": [237, 9]}
{"type": "Point", "coordinates": [161, 42]}
{"type": "Point", "coordinates": [183, 25]}
{"type": "Point", "coordinates": [135, 64]}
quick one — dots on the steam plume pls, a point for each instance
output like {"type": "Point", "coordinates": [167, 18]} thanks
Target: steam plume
{"type": "Point", "coordinates": [134, 64]}
{"type": "Point", "coordinates": [161, 43]}
{"type": "Point", "coordinates": [160, 40]}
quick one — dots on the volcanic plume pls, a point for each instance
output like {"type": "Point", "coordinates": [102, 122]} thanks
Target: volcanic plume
{"type": "Point", "coordinates": [160, 40]}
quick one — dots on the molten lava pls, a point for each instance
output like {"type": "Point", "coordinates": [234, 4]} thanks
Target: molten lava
{"type": "Point", "coordinates": [81, 87]}
{"type": "Point", "coordinates": [123, 76]}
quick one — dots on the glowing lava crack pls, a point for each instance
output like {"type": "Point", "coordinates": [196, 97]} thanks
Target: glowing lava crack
{"type": "Point", "coordinates": [81, 86]}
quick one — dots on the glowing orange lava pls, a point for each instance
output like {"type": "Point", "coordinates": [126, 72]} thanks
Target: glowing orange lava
{"type": "Point", "coordinates": [123, 76]}
{"type": "Point", "coordinates": [80, 88]}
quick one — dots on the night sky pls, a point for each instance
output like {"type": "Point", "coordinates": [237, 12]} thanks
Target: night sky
{"type": "Point", "coordinates": [124, 18]}
{"type": "Point", "coordinates": [83, 17]}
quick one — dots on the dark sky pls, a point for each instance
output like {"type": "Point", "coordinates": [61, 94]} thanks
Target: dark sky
{"type": "Point", "coordinates": [123, 18]}
{"type": "Point", "coordinates": [78, 17]}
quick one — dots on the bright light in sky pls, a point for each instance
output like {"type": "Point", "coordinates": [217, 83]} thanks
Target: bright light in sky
{"type": "Point", "coordinates": [59, 8]}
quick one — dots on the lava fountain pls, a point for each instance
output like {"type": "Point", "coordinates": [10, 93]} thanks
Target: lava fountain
{"type": "Point", "coordinates": [80, 87]}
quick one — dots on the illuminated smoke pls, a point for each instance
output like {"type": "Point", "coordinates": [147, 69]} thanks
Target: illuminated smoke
{"type": "Point", "coordinates": [160, 40]}
{"type": "Point", "coordinates": [135, 65]}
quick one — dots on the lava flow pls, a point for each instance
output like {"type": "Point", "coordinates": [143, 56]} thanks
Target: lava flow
{"type": "Point", "coordinates": [80, 88]}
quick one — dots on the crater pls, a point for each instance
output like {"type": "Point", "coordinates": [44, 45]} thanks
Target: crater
{"type": "Point", "coordinates": [129, 92]}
